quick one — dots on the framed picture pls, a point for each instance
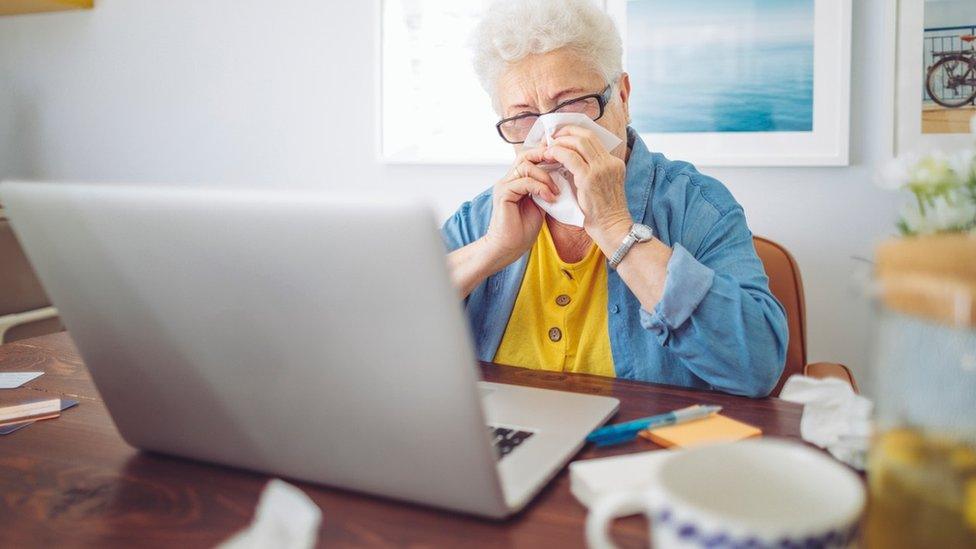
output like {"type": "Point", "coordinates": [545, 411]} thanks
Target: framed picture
{"type": "Point", "coordinates": [740, 82]}
{"type": "Point", "coordinates": [715, 82]}
{"type": "Point", "coordinates": [935, 75]}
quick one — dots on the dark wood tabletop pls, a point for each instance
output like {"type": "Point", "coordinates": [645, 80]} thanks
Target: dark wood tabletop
{"type": "Point", "coordinates": [73, 481]}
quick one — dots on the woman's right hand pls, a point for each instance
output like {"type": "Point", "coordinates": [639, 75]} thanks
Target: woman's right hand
{"type": "Point", "coordinates": [515, 218]}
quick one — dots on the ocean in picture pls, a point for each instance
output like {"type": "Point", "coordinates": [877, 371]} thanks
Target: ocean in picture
{"type": "Point", "coordinates": [720, 65]}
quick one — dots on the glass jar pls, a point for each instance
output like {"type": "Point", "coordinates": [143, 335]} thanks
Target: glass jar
{"type": "Point", "coordinates": [922, 464]}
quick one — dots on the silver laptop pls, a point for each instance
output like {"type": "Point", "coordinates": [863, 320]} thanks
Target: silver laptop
{"type": "Point", "coordinates": [311, 336]}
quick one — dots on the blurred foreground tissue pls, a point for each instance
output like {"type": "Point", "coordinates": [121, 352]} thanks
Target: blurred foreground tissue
{"type": "Point", "coordinates": [285, 518]}
{"type": "Point", "coordinates": [834, 416]}
{"type": "Point", "coordinates": [565, 209]}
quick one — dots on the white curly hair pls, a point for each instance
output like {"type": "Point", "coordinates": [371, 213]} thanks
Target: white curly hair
{"type": "Point", "coordinates": [513, 29]}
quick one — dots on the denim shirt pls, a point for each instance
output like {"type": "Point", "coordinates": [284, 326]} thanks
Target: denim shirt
{"type": "Point", "coordinates": [717, 325]}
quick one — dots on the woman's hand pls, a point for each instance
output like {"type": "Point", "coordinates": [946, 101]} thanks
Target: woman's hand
{"type": "Point", "coordinates": [514, 226]}
{"type": "Point", "coordinates": [599, 179]}
{"type": "Point", "coordinates": [515, 219]}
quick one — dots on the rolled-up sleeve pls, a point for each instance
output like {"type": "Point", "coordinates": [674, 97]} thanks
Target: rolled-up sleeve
{"type": "Point", "coordinates": [717, 313]}
{"type": "Point", "coordinates": [687, 283]}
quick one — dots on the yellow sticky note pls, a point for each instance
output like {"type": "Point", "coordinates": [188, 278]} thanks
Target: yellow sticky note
{"type": "Point", "coordinates": [709, 430]}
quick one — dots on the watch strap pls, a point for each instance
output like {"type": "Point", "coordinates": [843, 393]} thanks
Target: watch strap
{"type": "Point", "coordinates": [622, 250]}
{"type": "Point", "coordinates": [633, 237]}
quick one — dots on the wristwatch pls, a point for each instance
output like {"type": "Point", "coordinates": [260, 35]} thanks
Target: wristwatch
{"type": "Point", "coordinates": [638, 233]}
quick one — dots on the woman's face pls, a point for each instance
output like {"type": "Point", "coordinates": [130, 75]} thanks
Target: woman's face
{"type": "Point", "coordinates": [539, 82]}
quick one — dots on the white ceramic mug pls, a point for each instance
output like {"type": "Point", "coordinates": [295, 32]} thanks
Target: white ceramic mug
{"type": "Point", "coordinates": [751, 494]}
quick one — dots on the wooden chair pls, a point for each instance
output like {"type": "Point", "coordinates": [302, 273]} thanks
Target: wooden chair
{"type": "Point", "coordinates": [787, 286]}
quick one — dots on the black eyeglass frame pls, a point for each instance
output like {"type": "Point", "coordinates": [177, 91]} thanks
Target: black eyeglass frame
{"type": "Point", "coordinates": [602, 99]}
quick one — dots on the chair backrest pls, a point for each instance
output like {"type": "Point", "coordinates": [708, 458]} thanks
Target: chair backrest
{"type": "Point", "coordinates": [787, 286]}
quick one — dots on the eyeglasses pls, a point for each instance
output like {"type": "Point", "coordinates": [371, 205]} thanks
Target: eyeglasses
{"type": "Point", "coordinates": [514, 130]}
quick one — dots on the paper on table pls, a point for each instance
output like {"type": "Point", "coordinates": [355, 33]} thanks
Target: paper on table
{"type": "Point", "coordinates": [12, 380]}
{"type": "Point", "coordinates": [565, 209]}
{"type": "Point", "coordinates": [708, 430]}
{"type": "Point", "coordinates": [7, 429]}
{"type": "Point", "coordinates": [285, 518]}
{"type": "Point", "coordinates": [591, 479]}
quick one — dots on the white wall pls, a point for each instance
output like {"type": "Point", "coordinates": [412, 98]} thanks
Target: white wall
{"type": "Point", "coordinates": [272, 93]}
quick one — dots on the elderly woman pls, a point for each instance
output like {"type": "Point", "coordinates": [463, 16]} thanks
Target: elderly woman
{"type": "Point", "coordinates": [661, 283]}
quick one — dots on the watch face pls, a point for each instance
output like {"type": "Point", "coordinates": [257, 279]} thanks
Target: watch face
{"type": "Point", "coordinates": [642, 232]}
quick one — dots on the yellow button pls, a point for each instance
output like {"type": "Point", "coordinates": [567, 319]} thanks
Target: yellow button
{"type": "Point", "coordinates": [555, 334]}
{"type": "Point", "coordinates": [563, 300]}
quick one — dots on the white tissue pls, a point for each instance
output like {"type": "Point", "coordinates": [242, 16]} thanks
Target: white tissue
{"type": "Point", "coordinates": [285, 517]}
{"type": "Point", "coordinates": [834, 417]}
{"type": "Point", "coordinates": [565, 209]}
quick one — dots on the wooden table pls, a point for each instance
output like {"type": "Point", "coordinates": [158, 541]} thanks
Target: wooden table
{"type": "Point", "coordinates": [73, 481]}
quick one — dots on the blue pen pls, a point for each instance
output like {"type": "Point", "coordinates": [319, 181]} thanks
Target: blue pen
{"type": "Point", "coordinates": [623, 432]}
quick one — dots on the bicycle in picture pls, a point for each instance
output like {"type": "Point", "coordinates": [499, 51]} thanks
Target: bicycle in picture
{"type": "Point", "coordinates": [951, 80]}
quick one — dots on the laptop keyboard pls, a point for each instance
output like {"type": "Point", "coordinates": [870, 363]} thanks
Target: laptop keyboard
{"type": "Point", "coordinates": [504, 439]}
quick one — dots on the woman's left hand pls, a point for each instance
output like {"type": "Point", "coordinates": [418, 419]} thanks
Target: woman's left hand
{"type": "Point", "coordinates": [599, 178]}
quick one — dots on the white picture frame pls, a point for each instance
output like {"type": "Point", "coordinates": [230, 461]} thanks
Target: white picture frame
{"type": "Point", "coordinates": [908, 23]}
{"type": "Point", "coordinates": [828, 144]}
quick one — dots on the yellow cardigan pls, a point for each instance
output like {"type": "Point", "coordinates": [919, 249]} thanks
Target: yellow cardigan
{"type": "Point", "coordinates": [559, 322]}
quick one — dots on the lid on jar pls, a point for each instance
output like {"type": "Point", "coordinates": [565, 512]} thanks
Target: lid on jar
{"type": "Point", "coordinates": [930, 276]}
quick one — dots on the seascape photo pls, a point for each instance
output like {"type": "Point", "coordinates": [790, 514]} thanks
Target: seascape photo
{"type": "Point", "coordinates": [721, 65]}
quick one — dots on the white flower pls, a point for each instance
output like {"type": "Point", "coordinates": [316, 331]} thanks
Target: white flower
{"type": "Point", "coordinates": [943, 187]}
{"type": "Point", "coordinates": [940, 215]}
{"type": "Point", "coordinates": [895, 174]}
{"type": "Point", "coordinates": [932, 172]}
{"type": "Point", "coordinates": [963, 164]}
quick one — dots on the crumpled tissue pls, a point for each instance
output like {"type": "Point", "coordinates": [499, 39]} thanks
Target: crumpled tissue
{"type": "Point", "coordinates": [285, 517]}
{"type": "Point", "coordinates": [834, 416]}
{"type": "Point", "coordinates": [565, 209]}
